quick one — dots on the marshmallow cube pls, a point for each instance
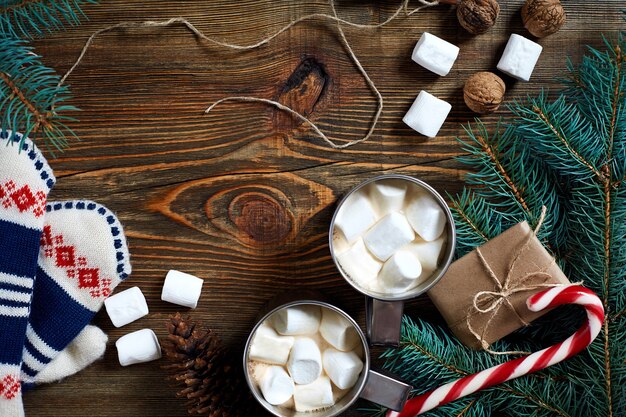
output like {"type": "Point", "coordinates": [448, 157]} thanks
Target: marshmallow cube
{"type": "Point", "coordinates": [428, 253]}
{"type": "Point", "coordinates": [426, 217]}
{"type": "Point", "coordinates": [126, 306]}
{"type": "Point", "coordinates": [276, 385]}
{"type": "Point", "coordinates": [343, 368]}
{"type": "Point", "coordinates": [359, 264]}
{"type": "Point", "coordinates": [435, 54]}
{"type": "Point", "coordinates": [356, 216]}
{"type": "Point", "coordinates": [182, 289]}
{"type": "Point", "coordinates": [269, 347]}
{"type": "Point", "coordinates": [388, 197]}
{"type": "Point", "coordinates": [298, 320]}
{"type": "Point", "coordinates": [338, 331]}
{"type": "Point", "coordinates": [427, 114]}
{"type": "Point", "coordinates": [388, 235]}
{"type": "Point", "coordinates": [314, 396]}
{"type": "Point", "coordinates": [138, 347]}
{"type": "Point", "coordinates": [400, 272]}
{"type": "Point", "coordinates": [305, 361]}
{"type": "Point", "coordinates": [519, 57]}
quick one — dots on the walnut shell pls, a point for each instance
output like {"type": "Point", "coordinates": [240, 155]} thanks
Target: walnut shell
{"type": "Point", "coordinates": [543, 17]}
{"type": "Point", "coordinates": [477, 16]}
{"type": "Point", "coordinates": [483, 92]}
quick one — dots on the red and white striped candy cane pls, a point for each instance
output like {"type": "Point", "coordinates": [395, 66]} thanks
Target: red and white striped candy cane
{"type": "Point", "coordinates": [553, 297]}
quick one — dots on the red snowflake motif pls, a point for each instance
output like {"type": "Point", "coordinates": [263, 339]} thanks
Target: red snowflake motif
{"type": "Point", "coordinates": [22, 198]}
{"type": "Point", "coordinates": [76, 266]}
{"type": "Point", "coordinates": [9, 387]}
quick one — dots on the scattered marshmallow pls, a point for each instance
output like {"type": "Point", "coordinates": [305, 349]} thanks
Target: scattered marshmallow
{"type": "Point", "coordinates": [388, 235]}
{"type": "Point", "coordinates": [426, 217]}
{"type": "Point", "coordinates": [388, 197]}
{"type": "Point", "coordinates": [400, 272]}
{"type": "Point", "coordinates": [435, 54]}
{"type": "Point", "coordinates": [138, 347]}
{"type": "Point", "coordinates": [343, 368]}
{"type": "Point", "coordinates": [314, 396]}
{"type": "Point", "coordinates": [356, 216]}
{"type": "Point", "coordinates": [126, 306]}
{"type": "Point", "coordinates": [276, 385]}
{"type": "Point", "coordinates": [359, 264]}
{"type": "Point", "coordinates": [298, 320]}
{"type": "Point", "coordinates": [428, 253]}
{"type": "Point", "coordinates": [182, 289]}
{"type": "Point", "coordinates": [305, 361]}
{"type": "Point", "coordinates": [338, 331]}
{"type": "Point", "coordinates": [427, 114]}
{"type": "Point", "coordinates": [269, 347]}
{"type": "Point", "coordinates": [519, 57]}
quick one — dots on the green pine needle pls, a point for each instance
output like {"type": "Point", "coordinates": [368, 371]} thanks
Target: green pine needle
{"type": "Point", "coordinates": [569, 154]}
{"type": "Point", "coordinates": [32, 18]}
{"type": "Point", "coordinates": [31, 102]}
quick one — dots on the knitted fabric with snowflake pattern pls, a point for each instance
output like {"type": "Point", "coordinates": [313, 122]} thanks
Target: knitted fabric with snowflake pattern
{"type": "Point", "coordinates": [25, 181]}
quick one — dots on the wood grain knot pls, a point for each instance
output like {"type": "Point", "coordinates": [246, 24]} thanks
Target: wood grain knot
{"type": "Point", "coordinates": [302, 91]}
{"type": "Point", "coordinates": [261, 217]}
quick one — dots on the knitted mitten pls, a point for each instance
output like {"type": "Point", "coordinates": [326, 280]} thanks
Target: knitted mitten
{"type": "Point", "coordinates": [88, 347]}
{"type": "Point", "coordinates": [25, 181]}
{"type": "Point", "coordinates": [82, 258]}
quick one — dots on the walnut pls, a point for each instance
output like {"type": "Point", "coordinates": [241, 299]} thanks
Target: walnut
{"type": "Point", "coordinates": [543, 17]}
{"type": "Point", "coordinates": [477, 16]}
{"type": "Point", "coordinates": [483, 92]}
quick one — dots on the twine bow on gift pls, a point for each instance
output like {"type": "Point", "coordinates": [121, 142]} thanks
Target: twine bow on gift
{"type": "Point", "coordinates": [486, 302]}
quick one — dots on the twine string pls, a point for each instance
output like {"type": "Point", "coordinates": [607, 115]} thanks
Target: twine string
{"type": "Point", "coordinates": [404, 7]}
{"type": "Point", "coordinates": [486, 302]}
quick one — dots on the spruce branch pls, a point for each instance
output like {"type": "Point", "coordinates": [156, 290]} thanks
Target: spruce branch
{"type": "Point", "coordinates": [31, 102]}
{"type": "Point", "coordinates": [32, 18]}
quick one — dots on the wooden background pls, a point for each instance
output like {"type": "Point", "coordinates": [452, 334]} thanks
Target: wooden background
{"type": "Point", "coordinates": [243, 197]}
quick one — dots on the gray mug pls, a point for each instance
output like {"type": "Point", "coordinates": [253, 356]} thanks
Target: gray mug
{"type": "Point", "coordinates": [384, 311]}
{"type": "Point", "coordinates": [371, 385]}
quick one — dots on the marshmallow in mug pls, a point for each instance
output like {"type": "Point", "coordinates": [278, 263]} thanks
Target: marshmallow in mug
{"type": "Point", "coordinates": [435, 54]}
{"type": "Point", "coordinates": [138, 347]}
{"type": "Point", "coordinates": [409, 239]}
{"type": "Point", "coordinates": [343, 368]}
{"type": "Point", "coordinates": [269, 347]}
{"type": "Point", "coordinates": [276, 385]}
{"type": "Point", "coordinates": [314, 396]}
{"type": "Point", "coordinates": [182, 289]}
{"type": "Point", "coordinates": [427, 114]}
{"type": "Point", "coordinates": [297, 320]}
{"type": "Point", "coordinates": [519, 57]}
{"type": "Point", "coordinates": [305, 361]}
{"type": "Point", "coordinates": [126, 306]}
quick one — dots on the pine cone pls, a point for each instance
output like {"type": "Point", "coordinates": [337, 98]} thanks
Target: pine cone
{"type": "Point", "coordinates": [205, 372]}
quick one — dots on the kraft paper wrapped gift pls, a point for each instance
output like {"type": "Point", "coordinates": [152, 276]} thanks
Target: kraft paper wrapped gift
{"type": "Point", "coordinates": [532, 269]}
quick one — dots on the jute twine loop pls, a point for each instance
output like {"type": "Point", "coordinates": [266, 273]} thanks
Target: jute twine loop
{"type": "Point", "coordinates": [492, 301]}
{"type": "Point", "coordinates": [404, 7]}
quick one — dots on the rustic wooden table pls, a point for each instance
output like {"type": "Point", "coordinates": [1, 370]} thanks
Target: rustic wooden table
{"type": "Point", "coordinates": [243, 197]}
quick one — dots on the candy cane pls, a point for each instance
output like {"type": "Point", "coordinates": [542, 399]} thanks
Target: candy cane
{"type": "Point", "coordinates": [553, 297]}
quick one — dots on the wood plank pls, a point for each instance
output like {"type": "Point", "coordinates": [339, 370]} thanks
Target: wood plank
{"type": "Point", "coordinates": [243, 197]}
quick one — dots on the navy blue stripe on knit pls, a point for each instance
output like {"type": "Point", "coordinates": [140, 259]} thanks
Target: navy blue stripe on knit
{"type": "Point", "coordinates": [11, 344]}
{"type": "Point", "coordinates": [12, 303]}
{"type": "Point", "coordinates": [13, 287]}
{"type": "Point", "coordinates": [13, 237]}
{"type": "Point", "coordinates": [28, 370]}
{"type": "Point", "coordinates": [56, 317]}
{"type": "Point", "coordinates": [36, 354]}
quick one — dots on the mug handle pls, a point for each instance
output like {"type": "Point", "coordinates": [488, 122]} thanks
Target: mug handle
{"type": "Point", "coordinates": [384, 321]}
{"type": "Point", "coordinates": [386, 391]}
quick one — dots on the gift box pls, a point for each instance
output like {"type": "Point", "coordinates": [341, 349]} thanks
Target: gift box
{"type": "Point", "coordinates": [483, 295]}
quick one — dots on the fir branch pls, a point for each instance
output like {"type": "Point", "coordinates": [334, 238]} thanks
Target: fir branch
{"type": "Point", "coordinates": [31, 102]}
{"type": "Point", "coordinates": [32, 18]}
